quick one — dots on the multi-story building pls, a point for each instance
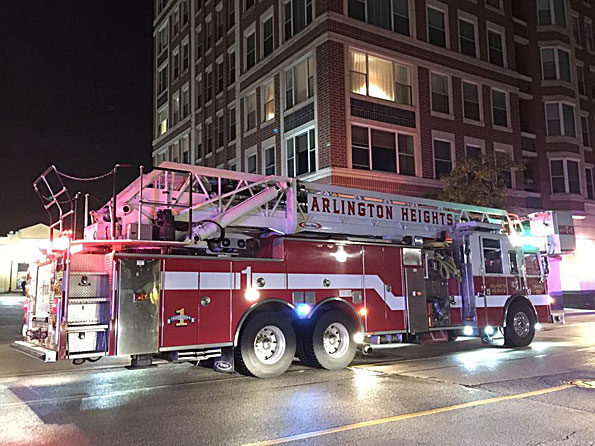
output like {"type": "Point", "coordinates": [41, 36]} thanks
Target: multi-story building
{"type": "Point", "coordinates": [386, 95]}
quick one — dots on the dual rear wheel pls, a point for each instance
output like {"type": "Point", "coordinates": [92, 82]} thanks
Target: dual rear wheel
{"type": "Point", "coordinates": [268, 343]}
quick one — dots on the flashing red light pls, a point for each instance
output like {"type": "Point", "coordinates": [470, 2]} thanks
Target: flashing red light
{"type": "Point", "coordinates": [363, 311]}
{"type": "Point", "coordinates": [419, 293]}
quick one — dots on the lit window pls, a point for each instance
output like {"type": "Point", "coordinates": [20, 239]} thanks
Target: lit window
{"type": "Point", "coordinates": [162, 121]}
{"type": "Point", "coordinates": [440, 94]}
{"type": "Point", "coordinates": [499, 108]}
{"type": "Point", "coordinates": [301, 153]}
{"type": "Point", "coordinates": [442, 158]}
{"type": "Point", "coordinates": [268, 99]}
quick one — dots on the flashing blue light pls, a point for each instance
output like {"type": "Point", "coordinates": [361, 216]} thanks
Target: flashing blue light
{"type": "Point", "coordinates": [303, 309]}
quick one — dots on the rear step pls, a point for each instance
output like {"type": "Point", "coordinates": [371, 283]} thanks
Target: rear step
{"type": "Point", "coordinates": [35, 351]}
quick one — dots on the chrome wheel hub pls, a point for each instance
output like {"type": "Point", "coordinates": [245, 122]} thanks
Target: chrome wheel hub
{"type": "Point", "coordinates": [336, 340]}
{"type": "Point", "coordinates": [521, 324]}
{"type": "Point", "coordinates": [269, 344]}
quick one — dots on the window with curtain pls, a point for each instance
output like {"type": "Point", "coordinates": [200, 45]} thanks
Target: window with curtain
{"type": "Point", "coordinates": [358, 73]}
{"type": "Point", "coordinates": [380, 81]}
{"type": "Point", "coordinates": [403, 93]}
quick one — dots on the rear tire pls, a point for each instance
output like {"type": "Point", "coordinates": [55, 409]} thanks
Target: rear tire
{"type": "Point", "coordinates": [520, 325]}
{"type": "Point", "coordinates": [266, 346]}
{"type": "Point", "coordinates": [328, 342]}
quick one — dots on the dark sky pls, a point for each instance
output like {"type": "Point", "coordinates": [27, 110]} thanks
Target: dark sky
{"type": "Point", "coordinates": [75, 91]}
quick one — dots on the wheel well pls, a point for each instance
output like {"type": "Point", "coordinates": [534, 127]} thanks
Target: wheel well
{"type": "Point", "coordinates": [516, 299]}
{"type": "Point", "coordinates": [336, 303]}
{"type": "Point", "coordinates": [266, 305]}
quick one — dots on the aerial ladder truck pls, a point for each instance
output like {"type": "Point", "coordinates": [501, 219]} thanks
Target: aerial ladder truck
{"type": "Point", "coordinates": [250, 271]}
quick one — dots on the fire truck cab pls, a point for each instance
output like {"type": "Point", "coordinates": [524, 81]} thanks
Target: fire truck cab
{"type": "Point", "coordinates": [192, 263]}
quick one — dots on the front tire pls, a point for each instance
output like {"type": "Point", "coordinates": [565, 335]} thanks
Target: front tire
{"type": "Point", "coordinates": [520, 325]}
{"type": "Point", "coordinates": [328, 343]}
{"type": "Point", "coordinates": [266, 346]}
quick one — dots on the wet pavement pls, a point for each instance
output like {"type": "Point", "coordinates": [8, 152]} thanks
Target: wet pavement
{"type": "Point", "coordinates": [458, 393]}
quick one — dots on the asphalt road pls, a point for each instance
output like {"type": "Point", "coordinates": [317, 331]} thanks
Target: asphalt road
{"type": "Point", "coordinates": [457, 393]}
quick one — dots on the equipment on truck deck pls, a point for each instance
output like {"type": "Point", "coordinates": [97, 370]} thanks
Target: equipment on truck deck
{"type": "Point", "coordinates": [190, 262]}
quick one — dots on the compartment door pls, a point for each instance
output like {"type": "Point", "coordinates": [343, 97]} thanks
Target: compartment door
{"type": "Point", "coordinates": [138, 307]}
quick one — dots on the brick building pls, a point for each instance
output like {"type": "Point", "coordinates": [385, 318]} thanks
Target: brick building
{"type": "Point", "coordinates": [385, 94]}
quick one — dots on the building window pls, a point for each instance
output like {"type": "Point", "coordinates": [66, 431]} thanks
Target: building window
{"type": "Point", "coordinates": [248, 4]}
{"type": "Point", "coordinates": [162, 121]}
{"type": "Point", "coordinates": [199, 92]}
{"type": "Point", "coordinates": [297, 14]}
{"type": "Point", "coordinates": [403, 94]}
{"type": "Point", "coordinates": [175, 23]}
{"type": "Point", "coordinates": [251, 163]}
{"type": "Point", "coordinates": [589, 34]}
{"type": "Point", "coordinates": [267, 37]}
{"type": "Point", "coordinates": [185, 56]}
{"type": "Point", "coordinates": [467, 38]}
{"type": "Point", "coordinates": [436, 27]}
{"type": "Point", "coordinates": [268, 101]}
{"type": "Point", "coordinates": [198, 150]}
{"type": "Point", "coordinates": [384, 151]}
{"type": "Point", "coordinates": [494, 4]}
{"type": "Point", "coordinates": [440, 94]}
{"type": "Point", "coordinates": [184, 12]}
{"type": "Point", "coordinates": [175, 101]}
{"type": "Point", "coordinates": [162, 40]}
{"type": "Point", "coordinates": [299, 82]}
{"type": "Point", "coordinates": [231, 63]}
{"type": "Point", "coordinates": [250, 112]}
{"type": "Point", "coordinates": [580, 79]}
{"type": "Point", "coordinates": [209, 138]}
{"type": "Point", "coordinates": [555, 64]}
{"type": "Point", "coordinates": [268, 161]}
{"type": "Point", "coordinates": [576, 30]}
{"type": "Point", "coordinates": [499, 108]}
{"type": "Point", "coordinates": [185, 101]}
{"type": "Point", "coordinates": [473, 152]}
{"type": "Point", "coordinates": [185, 150]}
{"type": "Point", "coordinates": [389, 14]}
{"type": "Point", "coordinates": [565, 177]}
{"type": "Point", "coordinates": [220, 30]}
{"type": "Point", "coordinates": [492, 256]}
{"type": "Point", "coordinates": [232, 166]}
{"type": "Point", "coordinates": [585, 130]}
{"type": "Point", "coordinates": [505, 175]}
{"type": "Point", "coordinates": [232, 124]}
{"type": "Point", "coordinates": [301, 153]}
{"type": "Point", "coordinates": [162, 79]}
{"type": "Point", "coordinates": [442, 158]}
{"type": "Point", "coordinates": [175, 72]}
{"type": "Point", "coordinates": [560, 119]}
{"type": "Point", "coordinates": [209, 85]}
{"type": "Point", "coordinates": [589, 175]}
{"type": "Point", "coordinates": [198, 45]}
{"type": "Point", "coordinates": [373, 76]}
{"type": "Point", "coordinates": [495, 48]}
{"type": "Point", "coordinates": [551, 12]}
{"type": "Point", "coordinates": [208, 35]}
{"type": "Point", "coordinates": [231, 14]}
{"type": "Point", "coordinates": [220, 131]}
{"type": "Point", "coordinates": [471, 108]}
{"type": "Point", "coordinates": [220, 77]}
{"type": "Point", "coordinates": [250, 50]}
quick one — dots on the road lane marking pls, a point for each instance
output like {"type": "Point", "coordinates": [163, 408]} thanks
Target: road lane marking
{"type": "Point", "coordinates": [348, 427]}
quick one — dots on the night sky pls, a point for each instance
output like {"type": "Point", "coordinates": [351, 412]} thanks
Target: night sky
{"type": "Point", "coordinates": [75, 91]}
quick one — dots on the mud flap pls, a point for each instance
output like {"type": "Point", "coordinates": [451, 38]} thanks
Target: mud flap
{"type": "Point", "coordinates": [225, 363]}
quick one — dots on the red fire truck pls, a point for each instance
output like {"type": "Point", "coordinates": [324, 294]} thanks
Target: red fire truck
{"type": "Point", "coordinates": [193, 263]}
